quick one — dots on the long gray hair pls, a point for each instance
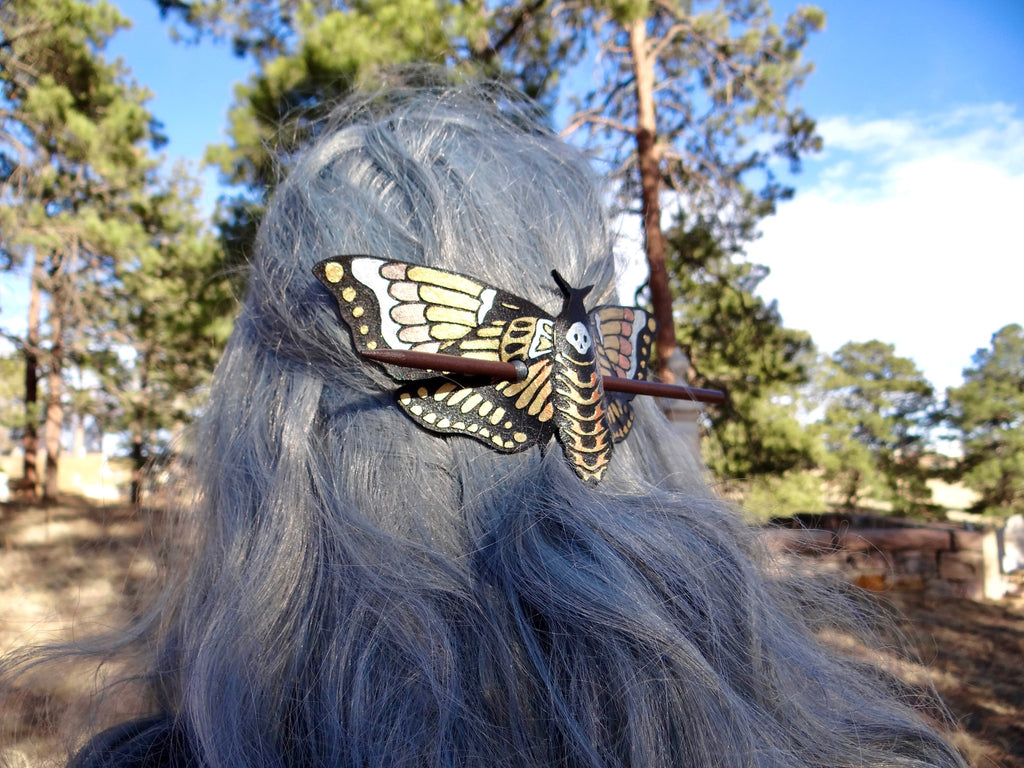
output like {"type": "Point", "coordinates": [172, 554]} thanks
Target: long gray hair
{"type": "Point", "coordinates": [360, 592]}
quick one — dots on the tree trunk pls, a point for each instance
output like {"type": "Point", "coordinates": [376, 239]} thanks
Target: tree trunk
{"type": "Point", "coordinates": [55, 380]}
{"type": "Point", "coordinates": [852, 492]}
{"type": "Point", "coordinates": [649, 155]}
{"type": "Point", "coordinates": [138, 465]}
{"type": "Point", "coordinates": [30, 442]}
{"type": "Point", "coordinates": [54, 413]}
{"type": "Point", "coordinates": [140, 435]}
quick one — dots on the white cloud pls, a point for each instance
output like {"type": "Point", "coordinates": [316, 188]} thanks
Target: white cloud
{"type": "Point", "coordinates": [844, 133]}
{"type": "Point", "coordinates": [910, 233]}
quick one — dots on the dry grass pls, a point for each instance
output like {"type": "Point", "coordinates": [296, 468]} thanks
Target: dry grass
{"type": "Point", "coordinates": [66, 571]}
{"type": "Point", "coordinates": [76, 568]}
{"type": "Point", "coordinates": [973, 652]}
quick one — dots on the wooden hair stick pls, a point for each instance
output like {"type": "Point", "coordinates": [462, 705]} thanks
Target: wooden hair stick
{"type": "Point", "coordinates": [472, 366]}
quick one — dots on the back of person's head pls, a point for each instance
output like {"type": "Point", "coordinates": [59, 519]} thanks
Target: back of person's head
{"type": "Point", "coordinates": [358, 590]}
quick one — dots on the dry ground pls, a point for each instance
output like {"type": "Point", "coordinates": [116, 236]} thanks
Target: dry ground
{"type": "Point", "coordinates": [974, 654]}
{"type": "Point", "coordinates": [65, 568]}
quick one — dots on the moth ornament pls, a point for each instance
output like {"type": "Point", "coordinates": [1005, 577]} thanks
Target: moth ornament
{"type": "Point", "coordinates": [561, 359]}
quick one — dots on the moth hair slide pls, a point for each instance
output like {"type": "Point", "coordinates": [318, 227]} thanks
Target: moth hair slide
{"type": "Point", "coordinates": [505, 371]}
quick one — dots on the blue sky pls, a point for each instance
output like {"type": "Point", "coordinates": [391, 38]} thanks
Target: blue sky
{"type": "Point", "coordinates": [882, 57]}
{"type": "Point", "coordinates": [907, 228]}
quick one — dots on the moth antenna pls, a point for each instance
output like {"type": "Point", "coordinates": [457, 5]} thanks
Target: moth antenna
{"type": "Point", "coordinates": [560, 281]}
{"type": "Point", "coordinates": [565, 288]}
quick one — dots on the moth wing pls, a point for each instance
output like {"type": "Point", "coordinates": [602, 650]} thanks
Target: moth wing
{"type": "Point", "coordinates": [508, 417]}
{"type": "Point", "coordinates": [397, 305]}
{"type": "Point", "coordinates": [624, 338]}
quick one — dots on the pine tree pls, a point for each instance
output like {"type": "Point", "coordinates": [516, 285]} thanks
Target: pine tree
{"type": "Point", "coordinates": [987, 414]}
{"type": "Point", "coordinates": [735, 342]}
{"type": "Point", "coordinates": [310, 54]}
{"type": "Point", "coordinates": [12, 412]}
{"type": "Point", "coordinates": [176, 303]}
{"type": "Point", "coordinates": [74, 165]}
{"type": "Point", "coordinates": [693, 99]}
{"type": "Point", "coordinates": [878, 411]}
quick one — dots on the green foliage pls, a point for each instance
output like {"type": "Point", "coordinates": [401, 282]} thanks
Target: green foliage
{"type": "Point", "coordinates": [987, 413]}
{"type": "Point", "coordinates": [70, 136]}
{"type": "Point", "coordinates": [878, 410]}
{"type": "Point", "coordinates": [491, 39]}
{"type": "Point", "coordinates": [278, 108]}
{"type": "Point", "coordinates": [171, 306]}
{"type": "Point", "coordinates": [74, 140]}
{"type": "Point", "coordinates": [736, 342]}
{"type": "Point", "coordinates": [325, 54]}
{"type": "Point", "coordinates": [310, 54]}
{"type": "Point", "coordinates": [12, 411]}
{"type": "Point", "coordinates": [784, 495]}
{"type": "Point", "coordinates": [849, 465]}
{"type": "Point", "coordinates": [109, 241]}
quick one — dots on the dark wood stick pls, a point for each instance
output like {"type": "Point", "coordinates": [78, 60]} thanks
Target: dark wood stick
{"type": "Point", "coordinates": [660, 389]}
{"type": "Point", "coordinates": [431, 361]}
{"type": "Point", "coordinates": [471, 366]}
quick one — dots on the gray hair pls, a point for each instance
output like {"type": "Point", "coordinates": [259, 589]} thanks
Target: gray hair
{"type": "Point", "coordinates": [360, 592]}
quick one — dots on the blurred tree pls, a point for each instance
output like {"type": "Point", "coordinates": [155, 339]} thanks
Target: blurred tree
{"type": "Point", "coordinates": [735, 342]}
{"type": "Point", "coordinates": [491, 35]}
{"type": "Point", "coordinates": [774, 496]}
{"type": "Point", "coordinates": [12, 410]}
{"type": "Point", "coordinates": [73, 161]}
{"type": "Point", "coordinates": [987, 413]}
{"type": "Point", "coordinates": [122, 274]}
{"type": "Point", "coordinates": [878, 409]}
{"type": "Point", "coordinates": [693, 98]}
{"type": "Point", "coordinates": [169, 316]}
{"type": "Point", "coordinates": [310, 53]}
